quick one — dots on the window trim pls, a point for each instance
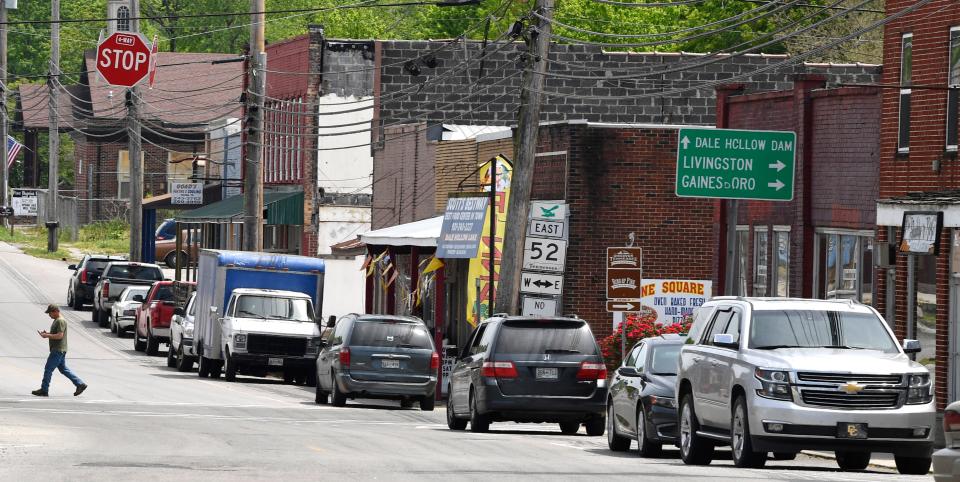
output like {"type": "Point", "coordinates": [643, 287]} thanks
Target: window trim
{"type": "Point", "coordinates": [946, 127]}
{"type": "Point", "coordinates": [775, 261]}
{"type": "Point", "coordinates": [902, 92]}
{"type": "Point", "coordinates": [764, 230]}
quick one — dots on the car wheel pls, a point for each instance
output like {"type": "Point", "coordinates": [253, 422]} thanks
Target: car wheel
{"type": "Point", "coordinates": [104, 319]}
{"type": "Point", "coordinates": [215, 369]}
{"type": "Point", "coordinates": [289, 377]}
{"type": "Point", "coordinates": [230, 368]}
{"type": "Point", "coordinates": [784, 456]}
{"type": "Point", "coordinates": [153, 345]}
{"type": "Point", "coordinates": [912, 465]}
{"type": "Point", "coordinates": [337, 398]}
{"type": "Point", "coordinates": [113, 325]}
{"type": "Point", "coordinates": [428, 403]}
{"type": "Point", "coordinates": [321, 396]}
{"type": "Point", "coordinates": [694, 449]}
{"type": "Point", "coordinates": [743, 454]}
{"type": "Point", "coordinates": [70, 302]}
{"type": "Point", "coordinates": [479, 423]}
{"type": "Point", "coordinates": [171, 260]}
{"type": "Point", "coordinates": [854, 460]}
{"type": "Point", "coordinates": [454, 423]}
{"type": "Point", "coordinates": [645, 446]}
{"type": "Point", "coordinates": [569, 428]}
{"type": "Point", "coordinates": [204, 369]}
{"type": "Point", "coordinates": [171, 360]}
{"type": "Point", "coordinates": [184, 363]}
{"type": "Point", "coordinates": [311, 376]}
{"type": "Point", "coordinates": [139, 344]}
{"type": "Point", "coordinates": [406, 403]}
{"type": "Point", "coordinates": [95, 315]}
{"type": "Point", "coordinates": [615, 441]}
{"type": "Point", "coordinates": [596, 426]}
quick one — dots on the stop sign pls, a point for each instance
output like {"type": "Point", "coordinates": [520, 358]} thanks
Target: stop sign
{"type": "Point", "coordinates": [123, 59]}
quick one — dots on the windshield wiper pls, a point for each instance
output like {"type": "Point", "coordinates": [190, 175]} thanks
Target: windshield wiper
{"type": "Point", "coordinates": [842, 347]}
{"type": "Point", "coordinates": [560, 350]}
{"type": "Point", "coordinates": [774, 347]}
{"type": "Point", "coordinates": [245, 312]}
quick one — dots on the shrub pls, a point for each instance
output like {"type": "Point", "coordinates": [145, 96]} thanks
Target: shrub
{"type": "Point", "coordinates": [637, 327]}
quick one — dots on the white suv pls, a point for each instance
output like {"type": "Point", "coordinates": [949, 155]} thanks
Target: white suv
{"type": "Point", "coordinates": [784, 375]}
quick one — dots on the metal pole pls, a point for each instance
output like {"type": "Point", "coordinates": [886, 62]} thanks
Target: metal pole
{"type": "Point", "coordinates": [476, 307]}
{"type": "Point", "coordinates": [891, 282]}
{"type": "Point", "coordinates": [134, 150]}
{"type": "Point", "coordinates": [253, 167]}
{"type": "Point", "coordinates": [911, 295]}
{"type": "Point", "coordinates": [54, 128]}
{"type": "Point", "coordinates": [5, 171]}
{"type": "Point", "coordinates": [731, 276]}
{"type": "Point", "coordinates": [493, 232]}
{"type": "Point", "coordinates": [528, 130]}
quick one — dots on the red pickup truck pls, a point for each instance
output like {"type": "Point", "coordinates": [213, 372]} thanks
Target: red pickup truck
{"type": "Point", "coordinates": [153, 318]}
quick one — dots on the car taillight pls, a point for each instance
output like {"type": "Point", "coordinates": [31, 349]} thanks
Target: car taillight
{"type": "Point", "coordinates": [345, 356]}
{"type": "Point", "coordinates": [83, 276]}
{"type": "Point", "coordinates": [592, 371]}
{"type": "Point", "coordinates": [498, 369]}
{"type": "Point", "coordinates": [435, 361]}
{"type": "Point", "coordinates": [951, 421]}
{"type": "Point", "coordinates": [106, 289]}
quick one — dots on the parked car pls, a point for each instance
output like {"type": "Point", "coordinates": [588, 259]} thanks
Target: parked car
{"type": "Point", "coordinates": [641, 406]}
{"type": "Point", "coordinates": [946, 461]}
{"type": "Point", "coordinates": [181, 353]}
{"type": "Point", "coordinates": [529, 369]}
{"type": "Point", "coordinates": [86, 273]}
{"type": "Point", "coordinates": [784, 375]}
{"type": "Point", "coordinates": [153, 317]}
{"type": "Point", "coordinates": [123, 313]}
{"type": "Point", "coordinates": [116, 277]}
{"type": "Point", "coordinates": [166, 230]}
{"type": "Point", "coordinates": [378, 356]}
{"type": "Point", "coordinates": [166, 249]}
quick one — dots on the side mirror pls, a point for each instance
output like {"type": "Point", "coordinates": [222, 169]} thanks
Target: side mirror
{"type": "Point", "coordinates": [911, 346]}
{"type": "Point", "coordinates": [178, 312]}
{"type": "Point", "coordinates": [213, 310]}
{"type": "Point", "coordinates": [628, 372]}
{"type": "Point", "coordinates": [331, 321]}
{"type": "Point", "coordinates": [72, 267]}
{"type": "Point", "coordinates": [138, 298]}
{"type": "Point", "coordinates": [725, 340]}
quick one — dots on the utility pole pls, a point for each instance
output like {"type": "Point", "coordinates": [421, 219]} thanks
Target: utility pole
{"type": "Point", "coordinates": [54, 129]}
{"type": "Point", "coordinates": [253, 167]}
{"type": "Point", "coordinates": [134, 149]}
{"type": "Point", "coordinates": [528, 129]}
{"type": "Point", "coordinates": [4, 172]}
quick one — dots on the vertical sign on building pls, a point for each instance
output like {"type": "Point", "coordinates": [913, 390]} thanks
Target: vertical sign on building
{"type": "Point", "coordinates": [544, 259]}
{"type": "Point", "coordinates": [478, 301]}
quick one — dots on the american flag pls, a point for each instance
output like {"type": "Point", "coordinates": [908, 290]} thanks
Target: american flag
{"type": "Point", "coordinates": [13, 148]}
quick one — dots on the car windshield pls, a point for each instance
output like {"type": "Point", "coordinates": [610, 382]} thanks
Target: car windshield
{"type": "Point", "coordinates": [135, 271]}
{"type": "Point", "coordinates": [664, 359]}
{"type": "Point", "coordinates": [165, 293]}
{"type": "Point", "coordinates": [274, 308]}
{"type": "Point", "coordinates": [96, 265]}
{"type": "Point", "coordinates": [539, 337]}
{"type": "Point", "coordinates": [774, 329]}
{"type": "Point", "coordinates": [388, 333]}
{"type": "Point", "coordinates": [129, 294]}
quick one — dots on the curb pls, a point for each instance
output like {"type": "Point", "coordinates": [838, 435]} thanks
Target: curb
{"type": "Point", "coordinates": [830, 456]}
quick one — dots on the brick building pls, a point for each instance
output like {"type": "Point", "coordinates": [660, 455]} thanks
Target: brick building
{"type": "Point", "coordinates": [919, 173]}
{"type": "Point", "coordinates": [821, 244]}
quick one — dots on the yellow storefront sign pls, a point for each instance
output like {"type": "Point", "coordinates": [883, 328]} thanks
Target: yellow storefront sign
{"type": "Point", "coordinates": [480, 265]}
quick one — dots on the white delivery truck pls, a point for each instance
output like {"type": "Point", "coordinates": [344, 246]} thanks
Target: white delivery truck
{"type": "Point", "coordinates": [256, 314]}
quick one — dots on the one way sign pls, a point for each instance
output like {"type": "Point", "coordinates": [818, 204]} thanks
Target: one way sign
{"type": "Point", "coordinates": [539, 283]}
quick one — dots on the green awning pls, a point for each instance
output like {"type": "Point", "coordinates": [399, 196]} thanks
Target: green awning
{"type": "Point", "coordinates": [281, 208]}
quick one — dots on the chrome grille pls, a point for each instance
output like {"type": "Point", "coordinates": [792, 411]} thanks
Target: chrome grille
{"type": "Point", "coordinates": [850, 377]}
{"type": "Point", "coordinates": [866, 399]}
{"type": "Point", "coordinates": [276, 345]}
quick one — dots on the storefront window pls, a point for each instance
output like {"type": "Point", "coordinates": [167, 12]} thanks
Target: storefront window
{"type": "Point", "coordinates": [830, 282]}
{"type": "Point", "coordinates": [848, 268]}
{"type": "Point", "coordinates": [845, 266]}
{"type": "Point", "coordinates": [743, 257]}
{"type": "Point", "coordinates": [866, 271]}
{"type": "Point", "coordinates": [760, 257]}
{"type": "Point", "coordinates": [926, 326]}
{"type": "Point", "coordinates": [402, 285]}
{"type": "Point", "coordinates": [781, 281]}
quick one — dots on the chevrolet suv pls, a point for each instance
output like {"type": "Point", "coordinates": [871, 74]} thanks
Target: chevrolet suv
{"type": "Point", "coordinates": [783, 375]}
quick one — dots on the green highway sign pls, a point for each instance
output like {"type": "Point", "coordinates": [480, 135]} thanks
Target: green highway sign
{"type": "Point", "coordinates": [736, 164]}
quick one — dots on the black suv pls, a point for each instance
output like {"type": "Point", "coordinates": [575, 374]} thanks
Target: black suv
{"type": "Point", "coordinates": [529, 369]}
{"type": "Point", "coordinates": [86, 273]}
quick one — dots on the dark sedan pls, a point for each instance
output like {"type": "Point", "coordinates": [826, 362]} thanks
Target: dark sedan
{"type": "Point", "coordinates": [641, 406]}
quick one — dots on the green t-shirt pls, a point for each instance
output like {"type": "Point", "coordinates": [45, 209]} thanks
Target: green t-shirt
{"type": "Point", "coordinates": [59, 326]}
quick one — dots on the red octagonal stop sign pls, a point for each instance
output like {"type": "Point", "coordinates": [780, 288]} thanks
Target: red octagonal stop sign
{"type": "Point", "coordinates": [123, 59]}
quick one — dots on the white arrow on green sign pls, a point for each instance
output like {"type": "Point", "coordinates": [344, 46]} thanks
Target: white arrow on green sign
{"type": "Point", "coordinates": [736, 164]}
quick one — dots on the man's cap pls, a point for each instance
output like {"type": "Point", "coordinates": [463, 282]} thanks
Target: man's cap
{"type": "Point", "coordinates": [51, 308]}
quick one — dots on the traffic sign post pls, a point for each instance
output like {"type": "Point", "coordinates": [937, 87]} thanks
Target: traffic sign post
{"type": "Point", "coordinates": [123, 59]}
{"type": "Point", "coordinates": [736, 164]}
{"type": "Point", "coordinates": [624, 278]}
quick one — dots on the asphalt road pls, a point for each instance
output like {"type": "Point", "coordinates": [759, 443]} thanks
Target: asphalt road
{"type": "Point", "coordinates": [142, 421]}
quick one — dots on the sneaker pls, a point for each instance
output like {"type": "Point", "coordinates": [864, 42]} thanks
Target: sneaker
{"type": "Point", "coordinates": [80, 389]}
{"type": "Point", "coordinates": [40, 393]}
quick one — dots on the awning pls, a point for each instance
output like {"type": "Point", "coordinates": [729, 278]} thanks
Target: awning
{"type": "Point", "coordinates": [281, 208]}
{"type": "Point", "coordinates": [890, 211]}
{"type": "Point", "coordinates": [418, 233]}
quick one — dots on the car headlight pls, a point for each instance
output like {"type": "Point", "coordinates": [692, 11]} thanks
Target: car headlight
{"type": "Point", "coordinates": [919, 389]}
{"type": "Point", "coordinates": [667, 402]}
{"type": "Point", "coordinates": [240, 341]}
{"type": "Point", "coordinates": [775, 384]}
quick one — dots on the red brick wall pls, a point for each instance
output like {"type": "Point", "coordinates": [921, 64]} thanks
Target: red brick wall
{"type": "Point", "coordinates": [621, 180]}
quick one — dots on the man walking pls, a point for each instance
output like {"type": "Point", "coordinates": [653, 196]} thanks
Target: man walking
{"type": "Point", "coordinates": [58, 354]}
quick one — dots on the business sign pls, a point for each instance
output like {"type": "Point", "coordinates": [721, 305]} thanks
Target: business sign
{"type": "Point", "coordinates": [544, 254]}
{"type": "Point", "coordinates": [548, 210]}
{"type": "Point", "coordinates": [673, 300]}
{"type": "Point", "coordinates": [186, 193]}
{"type": "Point", "coordinates": [624, 278]}
{"type": "Point", "coordinates": [541, 283]}
{"type": "Point", "coordinates": [546, 229]}
{"type": "Point", "coordinates": [624, 284]}
{"type": "Point", "coordinates": [622, 306]}
{"type": "Point", "coordinates": [24, 202]}
{"type": "Point", "coordinates": [479, 268]}
{"type": "Point", "coordinates": [539, 306]}
{"type": "Point", "coordinates": [462, 228]}
{"type": "Point", "coordinates": [735, 164]}
{"type": "Point", "coordinates": [920, 233]}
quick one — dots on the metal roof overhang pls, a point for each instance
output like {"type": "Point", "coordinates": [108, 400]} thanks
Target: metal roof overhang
{"type": "Point", "coordinates": [281, 208]}
{"type": "Point", "coordinates": [422, 233]}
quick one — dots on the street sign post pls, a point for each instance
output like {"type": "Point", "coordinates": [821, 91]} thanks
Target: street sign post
{"type": "Point", "coordinates": [123, 59]}
{"type": "Point", "coordinates": [541, 283]}
{"type": "Point", "coordinates": [544, 254]}
{"type": "Point", "coordinates": [624, 278]}
{"type": "Point", "coordinates": [533, 306]}
{"type": "Point", "coordinates": [736, 164]}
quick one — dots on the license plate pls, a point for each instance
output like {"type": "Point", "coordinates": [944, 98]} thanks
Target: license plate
{"type": "Point", "coordinates": [852, 430]}
{"type": "Point", "coordinates": [275, 362]}
{"type": "Point", "coordinates": [390, 363]}
{"type": "Point", "coordinates": [547, 373]}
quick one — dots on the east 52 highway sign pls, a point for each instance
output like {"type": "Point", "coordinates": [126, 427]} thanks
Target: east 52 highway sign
{"type": "Point", "coordinates": [736, 164]}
